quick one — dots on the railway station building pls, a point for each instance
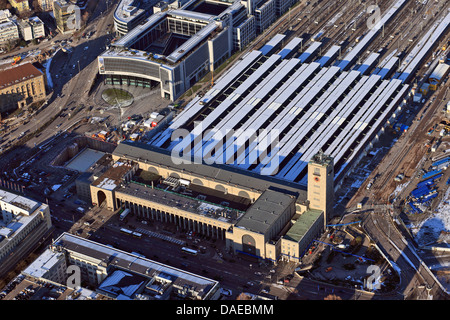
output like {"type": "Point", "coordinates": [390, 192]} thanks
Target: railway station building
{"type": "Point", "coordinates": [251, 213]}
{"type": "Point", "coordinates": [261, 153]}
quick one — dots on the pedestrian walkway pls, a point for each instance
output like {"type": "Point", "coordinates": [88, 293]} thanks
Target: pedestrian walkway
{"type": "Point", "coordinates": [161, 236]}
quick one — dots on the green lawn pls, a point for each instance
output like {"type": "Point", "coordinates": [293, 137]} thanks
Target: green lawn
{"type": "Point", "coordinates": [115, 96]}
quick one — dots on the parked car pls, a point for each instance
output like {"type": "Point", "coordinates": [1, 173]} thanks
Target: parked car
{"type": "Point", "coordinates": [226, 292]}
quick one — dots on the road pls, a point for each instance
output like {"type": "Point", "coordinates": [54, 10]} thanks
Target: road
{"type": "Point", "coordinates": [233, 273]}
{"type": "Point", "coordinates": [417, 281]}
{"type": "Point", "coordinates": [72, 75]}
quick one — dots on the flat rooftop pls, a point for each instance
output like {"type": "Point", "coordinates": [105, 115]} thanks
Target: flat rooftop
{"type": "Point", "coordinates": [128, 261]}
{"type": "Point", "coordinates": [112, 178]}
{"type": "Point", "coordinates": [47, 260]}
{"type": "Point", "coordinates": [265, 211]}
{"type": "Point", "coordinates": [83, 161]}
{"type": "Point", "coordinates": [18, 74]}
{"type": "Point", "coordinates": [303, 225]}
{"type": "Point", "coordinates": [272, 112]}
{"type": "Point", "coordinates": [127, 10]}
{"type": "Point", "coordinates": [213, 8]}
{"type": "Point", "coordinates": [181, 201]}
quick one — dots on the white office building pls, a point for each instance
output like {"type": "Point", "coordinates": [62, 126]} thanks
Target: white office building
{"type": "Point", "coordinates": [9, 31]}
{"type": "Point", "coordinates": [23, 224]}
{"type": "Point", "coordinates": [118, 274]}
{"type": "Point", "coordinates": [31, 28]}
{"type": "Point", "coordinates": [173, 46]}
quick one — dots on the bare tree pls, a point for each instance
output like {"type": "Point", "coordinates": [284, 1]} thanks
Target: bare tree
{"type": "Point", "coordinates": [4, 4]}
{"type": "Point", "coordinates": [25, 14]}
{"type": "Point", "coordinates": [36, 6]}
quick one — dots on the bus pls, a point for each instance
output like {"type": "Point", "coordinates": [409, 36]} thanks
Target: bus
{"type": "Point", "coordinates": [136, 234]}
{"type": "Point", "coordinates": [124, 214]}
{"type": "Point", "coordinates": [131, 233]}
{"type": "Point", "coordinates": [190, 251]}
{"type": "Point", "coordinates": [126, 231]}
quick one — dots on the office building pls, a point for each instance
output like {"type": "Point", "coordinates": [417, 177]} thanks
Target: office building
{"type": "Point", "coordinates": [9, 31]}
{"type": "Point", "coordinates": [20, 5]}
{"type": "Point", "coordinates": [172, 46]}
{"type": "Point", "coordinates": [249, 212]}
{"type": "Point", "coordinates": [24, 223]}
{"type": "Point", "coordinates": [31, 28]}
{"type": "Point", "coordinates": [117, 274]}
{"type": "Point", "coordinates": [45, 5]}
{"type": "Point", "coordinates": [130, 13]}
{"type": "Point", "coordinates": [287, 121]}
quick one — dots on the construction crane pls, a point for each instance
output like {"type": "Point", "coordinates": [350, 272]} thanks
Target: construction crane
{"type": "Point", "coordinates": [446, 125]}
{"type": "Point", "coordinates": [16, 60]}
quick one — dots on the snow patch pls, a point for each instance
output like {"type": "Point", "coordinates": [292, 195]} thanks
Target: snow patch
{"type": "Point", "coordinates": [429, 230]}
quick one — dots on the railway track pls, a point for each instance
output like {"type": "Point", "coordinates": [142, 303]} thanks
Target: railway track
{"type": "Point", "coordinates": [409, 155]}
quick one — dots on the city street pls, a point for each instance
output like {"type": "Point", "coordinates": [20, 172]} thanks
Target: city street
{"type": "Point", "coordinates": [234, 272]}
{"type": "Point", "coordinates": [416, 281]}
